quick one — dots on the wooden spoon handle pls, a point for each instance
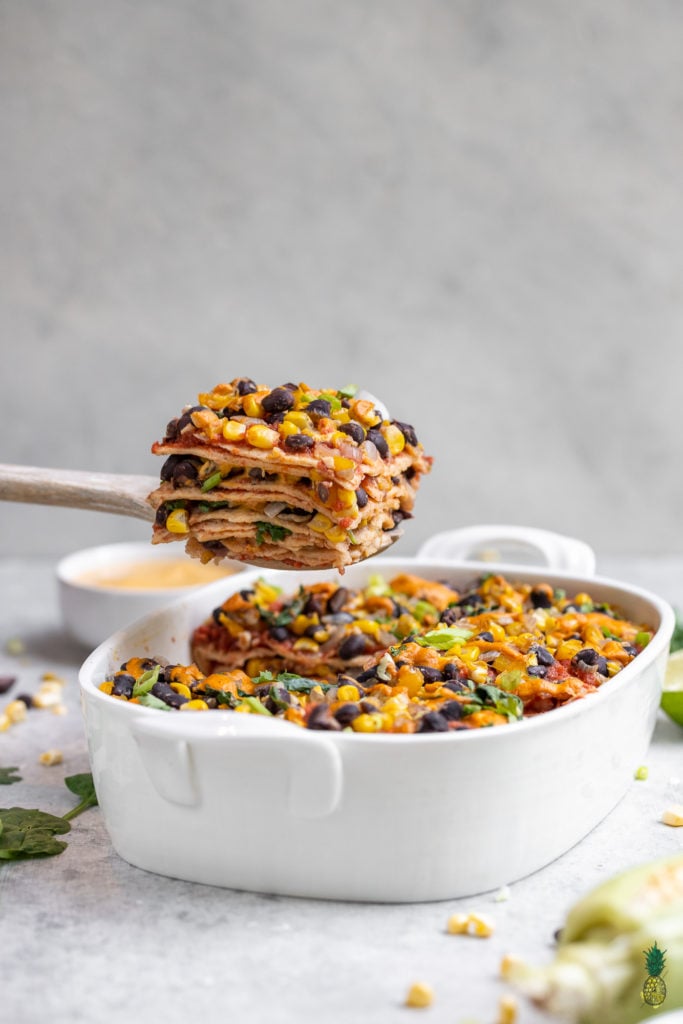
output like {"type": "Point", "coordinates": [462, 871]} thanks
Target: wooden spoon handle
{"type": "Point", "coordinates": [120, 493]}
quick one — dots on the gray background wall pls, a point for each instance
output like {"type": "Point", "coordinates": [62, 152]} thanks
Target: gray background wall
{"type": "Point", "coordinates": [472, 208]}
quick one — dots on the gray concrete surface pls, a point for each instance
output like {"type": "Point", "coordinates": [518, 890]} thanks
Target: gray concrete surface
{"type": "Point", "coordinates": [88, 939]}
{"type": "Point", "coordinates": [472, 208]}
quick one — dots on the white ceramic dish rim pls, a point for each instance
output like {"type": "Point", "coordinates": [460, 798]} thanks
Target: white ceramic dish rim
{"type": "Point", "coordinates": [143, 551]}
{"type": "Point", "coordinates": [201, 724]}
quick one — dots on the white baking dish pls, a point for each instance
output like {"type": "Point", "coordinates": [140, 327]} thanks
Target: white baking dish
{"type": "Point", "coordinates": [251, 803]}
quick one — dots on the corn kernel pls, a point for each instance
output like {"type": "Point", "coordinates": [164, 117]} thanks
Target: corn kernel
{"type": "Point", "coordinates": [183, 690]}
{"type": "Point", "coordinates": [348, 692]}
{"type": "Point", "coordinates": [52, 677]}
{"type": "Point", "coordinates": [479, 673]}
{"type": "Point", "coordinates": [367, 723]}
{"type": "Point", "coordinates": [347, 499]}
{"type": "Point", "coordinates": [470, 652]}
{"type": "Point", "coordinates": [252, 406]}
{"type": "Point", "coordinates": [480, 926]}
{"type": "Point", "coordinates": [177, 521]}
{"type": "Point", "coordinates": [305, 643]}
{"type": "Point", "coordinates": [457, 924]}
{"type": "Point", "coordinates": [51, 757]}
{"type": "Point", "coordinates": [613, 667]}
{"type": "Point", "coordinates": [673, 816]}
{"type": "Point", "coordinates": [300, 420]}
{"type": "Point", "coordinates": [507, 1010]}
{"type": "Point", "coordinates": [343, 465]}
{"type": "Point", "coordinates": [261, 436]}
{"type": "Point", "coordinates": [320, 523]}
{"type": "Point", "coordinates": [60, 709]}
{"type": "Point", "coordinates": [568, 648]}
{"type": "Point", "coordinates": [106, 687]}
{"type": "Point", "coordinates": [4, 723]}
{"type": "Point", "coordinates": [233, 430]}
{"type": "Point", "coordinates": [286, 429]}
{"type": "Point", "coordinates": [16, 711]}
{"type": "Point", "coordinates": [335, 535]}
{"type": "Point", "coordinates": [411, 678]}
{"type": "Point", "coordinates": [195, 705]}
{"type": "Point", "coordinates": [420, 995]}
{"type": "Point", "coordinates": [368, 626]}
{"type": "Point", "coordinates": [509, 966]}
{"type": "Point", "coordinates": [394, 437]}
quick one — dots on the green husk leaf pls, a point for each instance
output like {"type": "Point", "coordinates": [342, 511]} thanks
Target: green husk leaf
{"type": "Point", "coordinates": [146, 681]}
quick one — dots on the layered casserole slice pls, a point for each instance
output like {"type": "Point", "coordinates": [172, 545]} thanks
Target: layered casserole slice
{"type": "Point", "coordinates": [304, 478]}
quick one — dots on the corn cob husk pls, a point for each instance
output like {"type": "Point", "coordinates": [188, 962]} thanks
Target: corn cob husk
{"type": "Point", "coordinates": [598, 972]}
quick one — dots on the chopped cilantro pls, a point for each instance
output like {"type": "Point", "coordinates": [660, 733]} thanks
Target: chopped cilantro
{"type": "Point", "coordinates": [270, 529]}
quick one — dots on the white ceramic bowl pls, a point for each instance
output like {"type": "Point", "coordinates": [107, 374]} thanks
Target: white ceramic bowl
{"type": "Point", "coordinates": [92, 612]}
{"type": "Point", "coordinates": [250, 803]}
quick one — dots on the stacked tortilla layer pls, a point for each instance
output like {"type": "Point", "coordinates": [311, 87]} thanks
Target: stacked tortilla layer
{"type": "Point", "coordinates": [303, 478]}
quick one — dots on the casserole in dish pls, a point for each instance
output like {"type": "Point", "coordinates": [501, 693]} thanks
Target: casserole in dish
{"type": "Point", "coordinates": [244, 802]}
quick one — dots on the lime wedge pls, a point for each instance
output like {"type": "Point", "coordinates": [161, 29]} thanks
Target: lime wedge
{"type": "Point", "coordinates": [672, 697]}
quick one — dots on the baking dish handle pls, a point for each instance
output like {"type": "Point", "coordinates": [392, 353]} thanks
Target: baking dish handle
{"type": "Point", "coordinates": [313, 762]}
{"type": "Point", "coordinates": [514, 544]}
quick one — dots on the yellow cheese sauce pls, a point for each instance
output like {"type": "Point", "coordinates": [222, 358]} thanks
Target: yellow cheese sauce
{"type": "Point", "coordinates": [156, 574]}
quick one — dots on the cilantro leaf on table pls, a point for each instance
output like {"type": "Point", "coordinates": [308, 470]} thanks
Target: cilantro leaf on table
{"type": "Point", "coordinates": [9, 775]}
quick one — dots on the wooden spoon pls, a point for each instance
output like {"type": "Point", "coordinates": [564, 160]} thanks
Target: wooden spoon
{"type": "Point", "coordinates": [120, 493]}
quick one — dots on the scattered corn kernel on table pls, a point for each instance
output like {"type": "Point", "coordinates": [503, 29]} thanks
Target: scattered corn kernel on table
{"type": "Point", "coordinates": [90, 938]}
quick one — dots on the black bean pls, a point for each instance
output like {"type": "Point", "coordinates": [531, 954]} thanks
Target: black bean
{"type": "Point", "coordinates": [25, 698]}
{"type": "Point", "coordinates": [540, 598]}
{"type": "Point", "coordinates": [279, 633]}
{"type": "Point", "coordinates": [161, 515]}
{"type": "Point", "coordinates": [171, 430]}
{"type": "Point", "coordinates": [602, 665]}
{"type": "Point", "coordinates": [186, 418]}
{"type": "Point", "coordinates": [410, 472]}
{"type": "Point", "coordinates": [337, 600]}
{"type": "Point", "coordinates": [457, 685]}
{"type": "Point", "coordinates": [588, 656]}
{"type": "Point", "coordinates": [398, 515]}
{"type": "Point", "coordinates": [169, 466]}
{"type": "Point", "coordinates": [320, 717]}
{"type": "Point", "coordinates": [315, 605]}
{"type": "Point", "coordinates": [354, 431]}
{"type": "Point", "coordinates": [379, 442]}
{"type": "Point", "coordinates": [279, 400]}
{"type": "Point", "coordinates": [291, 387]}
{"type": "Point", "coordinates": [570, 608]}
{"type": "Point", "coordinates": [346, 713]}
{"type": "Point", "coordinates": [185, 473]}
{"type": "Point", "coordinates": [431, 675]}
{"type": "Point", "coordinates": [369, 707]}
{"type": "Point", "coordinates": [369, 676]}
{"type": "Point", "coordinates": [489, 637]}
{"type": "Point", "coordinates": [297, 443]}
{"type": "Point", "coordinates": [407, 431]}
{"type": "Point", "coordinates": [211, 702]}
{"type": "Point", "coordinates": [539, 671]}
{"type": "Point", "coordinates": [318, 407]}
{"type": "Point", "coordinates": [433, 721]}
{"type": "Point", "coordinates": [246, 594]}
{"type": "Point", "coordinates": [217, 616]}
{"type": "Point", "coordinates": [311, 630]}
{"type": "Point", "coordinates": [451, 615]}
{"type": "Point", "coordinates": [323, 492]}
{"type": "Point", "coordinates": [452, 710]}
{"type": "Point", "coordinates": [362, 497]}
{"type": "Point", "coordinates": [246, 386]}
{"type": "Point", "coordinates": [235, 471]}
{"type": "Point", "coordinates": [630, 649]}
{"type": "Point", "coordinates": [338, 618]}
{"type": "Point", "coordinates": [164, 692]}
{"type": "Point", "coordinates": [123, 686]}
{"type": "Point", "coordinates": [353, 646]}
{"type": "Point", "coordinates": [214, 545]}
{"type": "Point", "coordinates": [451, 670]}
{"type": "Point", "coordinates": [543, 655]}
